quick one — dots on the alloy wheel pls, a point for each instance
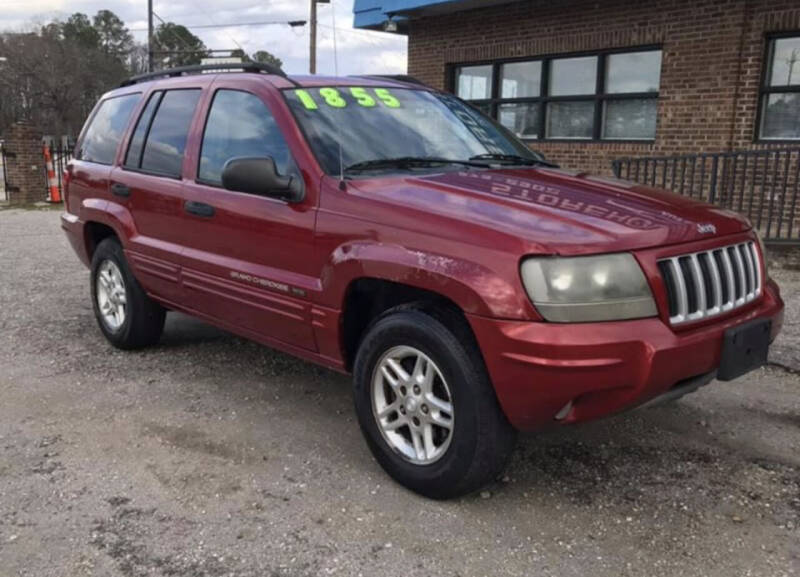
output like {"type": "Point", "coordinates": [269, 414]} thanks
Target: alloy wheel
{"type": "Point", "coordinates": [111, 296]}
{"type": "Point", "coordinates": [412, 405]}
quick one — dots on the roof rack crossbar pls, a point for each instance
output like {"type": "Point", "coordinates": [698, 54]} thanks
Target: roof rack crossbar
{"type": "Point", "coordinates": [258, 67]}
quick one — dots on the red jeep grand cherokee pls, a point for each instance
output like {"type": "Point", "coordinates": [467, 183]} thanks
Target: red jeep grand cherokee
{"type": "Point", "coordinates": [379, 227]}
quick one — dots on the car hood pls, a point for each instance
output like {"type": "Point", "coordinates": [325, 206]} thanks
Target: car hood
{"type": "Point", "coordinates": [560, 211]}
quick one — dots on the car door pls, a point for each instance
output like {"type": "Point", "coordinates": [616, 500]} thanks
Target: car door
{"type": "Point", "coordinates": [148, 185]}
{"type": "Point", "coordinates": [248, 259]}
{"type": "Point", "coordinates": [90, 169]}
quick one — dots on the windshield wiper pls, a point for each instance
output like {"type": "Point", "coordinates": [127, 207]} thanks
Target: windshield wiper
{"type": "Point", "coordinates": [406, 162]}
{"type": "Point", "coordinates": [513, 159]}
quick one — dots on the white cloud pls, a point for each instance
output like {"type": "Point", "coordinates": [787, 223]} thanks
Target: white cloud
{"type": "Point", "coordinates": [359, 51]}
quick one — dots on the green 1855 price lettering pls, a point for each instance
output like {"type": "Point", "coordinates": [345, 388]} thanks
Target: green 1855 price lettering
{"type": "Point", "coordinates": [333, 97]}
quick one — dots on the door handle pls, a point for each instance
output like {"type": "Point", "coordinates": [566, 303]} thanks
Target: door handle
{"type": "Point", "coordinates": [199, 208]}
{"type": "Point", "coordinates": [119, 189]}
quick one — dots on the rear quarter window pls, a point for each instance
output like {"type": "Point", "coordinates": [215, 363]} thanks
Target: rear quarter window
{"type": "Point", "coordinates": [106, 129]}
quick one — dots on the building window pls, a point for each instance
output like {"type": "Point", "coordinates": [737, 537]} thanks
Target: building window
{"type": "Point", "coordinates": [610, 95]}
{"type": "Point", "coordinates": [780, 92]}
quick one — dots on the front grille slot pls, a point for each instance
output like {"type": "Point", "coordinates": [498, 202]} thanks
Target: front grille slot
{"type": "Point", "coordinates": [708, 283]}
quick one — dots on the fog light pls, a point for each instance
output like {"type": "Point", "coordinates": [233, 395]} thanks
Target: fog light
{"type": "Point", "coordinates": [564, 412]}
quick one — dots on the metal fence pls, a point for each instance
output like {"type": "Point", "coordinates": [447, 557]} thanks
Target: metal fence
{"type": "Point", "coordinates": [761, 184]}
{"type": "Point", "coordinates": [3, 175]}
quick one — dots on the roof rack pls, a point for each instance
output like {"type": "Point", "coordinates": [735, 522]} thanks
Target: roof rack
{"type": "Point", "coordinates": [257, 67]}
{"type": "Point", "coordinates": [396, 77]}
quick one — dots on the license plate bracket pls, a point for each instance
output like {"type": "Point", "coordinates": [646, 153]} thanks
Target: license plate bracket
{"type": "Point", "coordinates": [744, 348]}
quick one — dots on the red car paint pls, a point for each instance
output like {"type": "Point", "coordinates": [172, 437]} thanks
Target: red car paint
{"type": "Point", "coordinates": [279, 273]}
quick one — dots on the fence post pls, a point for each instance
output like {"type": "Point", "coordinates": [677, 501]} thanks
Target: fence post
{"type": "Point", "coordinates": [712, 187]}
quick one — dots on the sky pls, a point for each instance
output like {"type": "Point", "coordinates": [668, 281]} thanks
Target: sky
{"type": "Point", "coordinates": [360, 51]}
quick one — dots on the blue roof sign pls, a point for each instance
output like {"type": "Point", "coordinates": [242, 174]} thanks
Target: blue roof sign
{"type": "Point", "coordinates": [375, 13]}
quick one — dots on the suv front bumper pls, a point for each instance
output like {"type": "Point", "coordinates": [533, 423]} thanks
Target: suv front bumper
{"type": "Point", "coordinates": [538, 368]}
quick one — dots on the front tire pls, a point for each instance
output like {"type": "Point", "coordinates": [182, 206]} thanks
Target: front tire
{"type": "Point", "coordinates": [128, 318]}
{"type": "Point", "coordinates": [426, 405]}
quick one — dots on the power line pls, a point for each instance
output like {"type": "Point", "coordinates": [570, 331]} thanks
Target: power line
{"type": "Point", "coordinates": [226, 33]}
{"type": "Point", "coordinates": [375, 34]}
{"type": "Point", "coordinates": [291, 23]}
{"type": "Point", "coordinates": [171, 31]}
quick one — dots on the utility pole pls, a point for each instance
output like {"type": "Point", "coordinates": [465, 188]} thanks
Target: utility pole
{"type": "Point", "coordinates": [150, 47]}
{"type": "Point", "coordinates": [313, 21]}
{"type": "Point", "coordinates": [313, 58]}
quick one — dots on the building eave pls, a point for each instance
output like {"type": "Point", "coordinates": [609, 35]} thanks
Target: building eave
{"type": "Point", "coordinates": [374, 14]}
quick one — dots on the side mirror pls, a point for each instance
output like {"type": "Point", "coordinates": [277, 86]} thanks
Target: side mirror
{"type": "Point", "coordinates": [260, 176]}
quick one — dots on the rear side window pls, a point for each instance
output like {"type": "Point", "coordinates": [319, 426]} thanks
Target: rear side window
{"type": "Point", "coordinates": [106, 129]}
{"type": "Point", "coordinates": [239, 124]}
{"type": "Point", "coordinates": [134, 157]}
{"type": "Point", "coordinates": [165, 138]}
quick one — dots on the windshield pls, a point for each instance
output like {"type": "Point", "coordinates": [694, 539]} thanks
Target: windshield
{"type": "Point", "coordinates": [381, 123]}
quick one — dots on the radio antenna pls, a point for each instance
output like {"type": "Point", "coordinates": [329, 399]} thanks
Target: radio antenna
{"type": "Point", "coordinates": [336, 73]}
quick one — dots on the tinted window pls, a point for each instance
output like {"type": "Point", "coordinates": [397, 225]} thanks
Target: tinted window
{"type": "Point", "coordinates": [106, 129]}
{"type": "Point", "coordinates": [780, 98]}
{"type": "Point", "coordinates": [633, 119]}
{"type": "Point", "coordinates": [570, 119]}
{"type": "Point", "coordinates": [633, 72]}
{"type": "Point", "coordinates": [474, 82]}
{"type": "Point", "coordinates": [239, 124]}
{"type": "Point", "coordinates": [166, 142]}
{"type": "Point", "coordinates": [521, 119]}
{"type": "Point", "coordinates": [781, 117]}
{"type": "Point", "coordinates": [521, 79]}
{"type": "Point", "coordinates": [571, 76]}
{"type": "Point", "coordinates": [785, 65]}
{"type": "Point", "coordinates": [134, 156]}
{"type": "Point", "coordinates": [578, 102]}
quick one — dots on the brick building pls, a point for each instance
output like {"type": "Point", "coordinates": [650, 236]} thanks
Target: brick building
{"type": "Point", "coordinates": [589, 81]}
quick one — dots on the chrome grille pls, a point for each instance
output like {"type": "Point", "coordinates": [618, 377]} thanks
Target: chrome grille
{"type": "Point", "coordinates": [708, 283]}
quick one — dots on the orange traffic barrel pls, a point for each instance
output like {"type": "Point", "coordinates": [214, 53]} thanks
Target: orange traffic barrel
{"type": "Point", "coordinates": [52, 181]}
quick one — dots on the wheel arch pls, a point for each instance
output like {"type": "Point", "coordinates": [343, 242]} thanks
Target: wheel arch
{"type": "Point", "coordinates": [368, 299]}
{"type": "Point", "coordinates": [370, 278]}
{"type": "Point", "coordinates": [101, 221]}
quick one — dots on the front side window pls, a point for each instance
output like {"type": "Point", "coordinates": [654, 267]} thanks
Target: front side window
{"type": "Point", "coordinates": [380, 123]}
{"type": "Point", "coordinates": [106, 129]}
{"type": "Point", "coordinates": [240, 125]}
{"type": "Point", "coordinates": [608, 96]}
{"type": "Point", "coordinates": [780, 95]}
{"type": "Point", "coordinates": [159, 140]}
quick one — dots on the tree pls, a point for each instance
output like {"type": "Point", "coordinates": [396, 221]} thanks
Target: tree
{"type": "Point", "coordinates": [267, 58]}
{"type": "Point", "coordinates": [53, 75]}
{"type": "Point", "coordinates": [114, 38]}
{"type": "Point", "coordinates": [177, 46]}
{"type": "Point", "coordinates": [78, 29]}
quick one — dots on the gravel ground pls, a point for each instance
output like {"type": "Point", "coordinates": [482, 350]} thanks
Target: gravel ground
{"type": "Point", "coordinates": [212, 456]}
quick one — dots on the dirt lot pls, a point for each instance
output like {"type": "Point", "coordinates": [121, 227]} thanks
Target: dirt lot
{"type": "Point", "coordinates": [212, 456]}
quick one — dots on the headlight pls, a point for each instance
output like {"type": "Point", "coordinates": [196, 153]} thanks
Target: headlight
{"type": "Point", "coordinates": [588, 288]}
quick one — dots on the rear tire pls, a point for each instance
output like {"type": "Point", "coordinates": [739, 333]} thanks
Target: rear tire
{"type": "Point", "coordinates": [396, 399]}
{"type": "Point", "coordinates": [128, 318]}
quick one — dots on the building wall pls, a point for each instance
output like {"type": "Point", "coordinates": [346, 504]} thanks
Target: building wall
{"type": "Point", "coordinates": [24, 165]}
{"type": "Point", "coordinates": [713, 52]}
